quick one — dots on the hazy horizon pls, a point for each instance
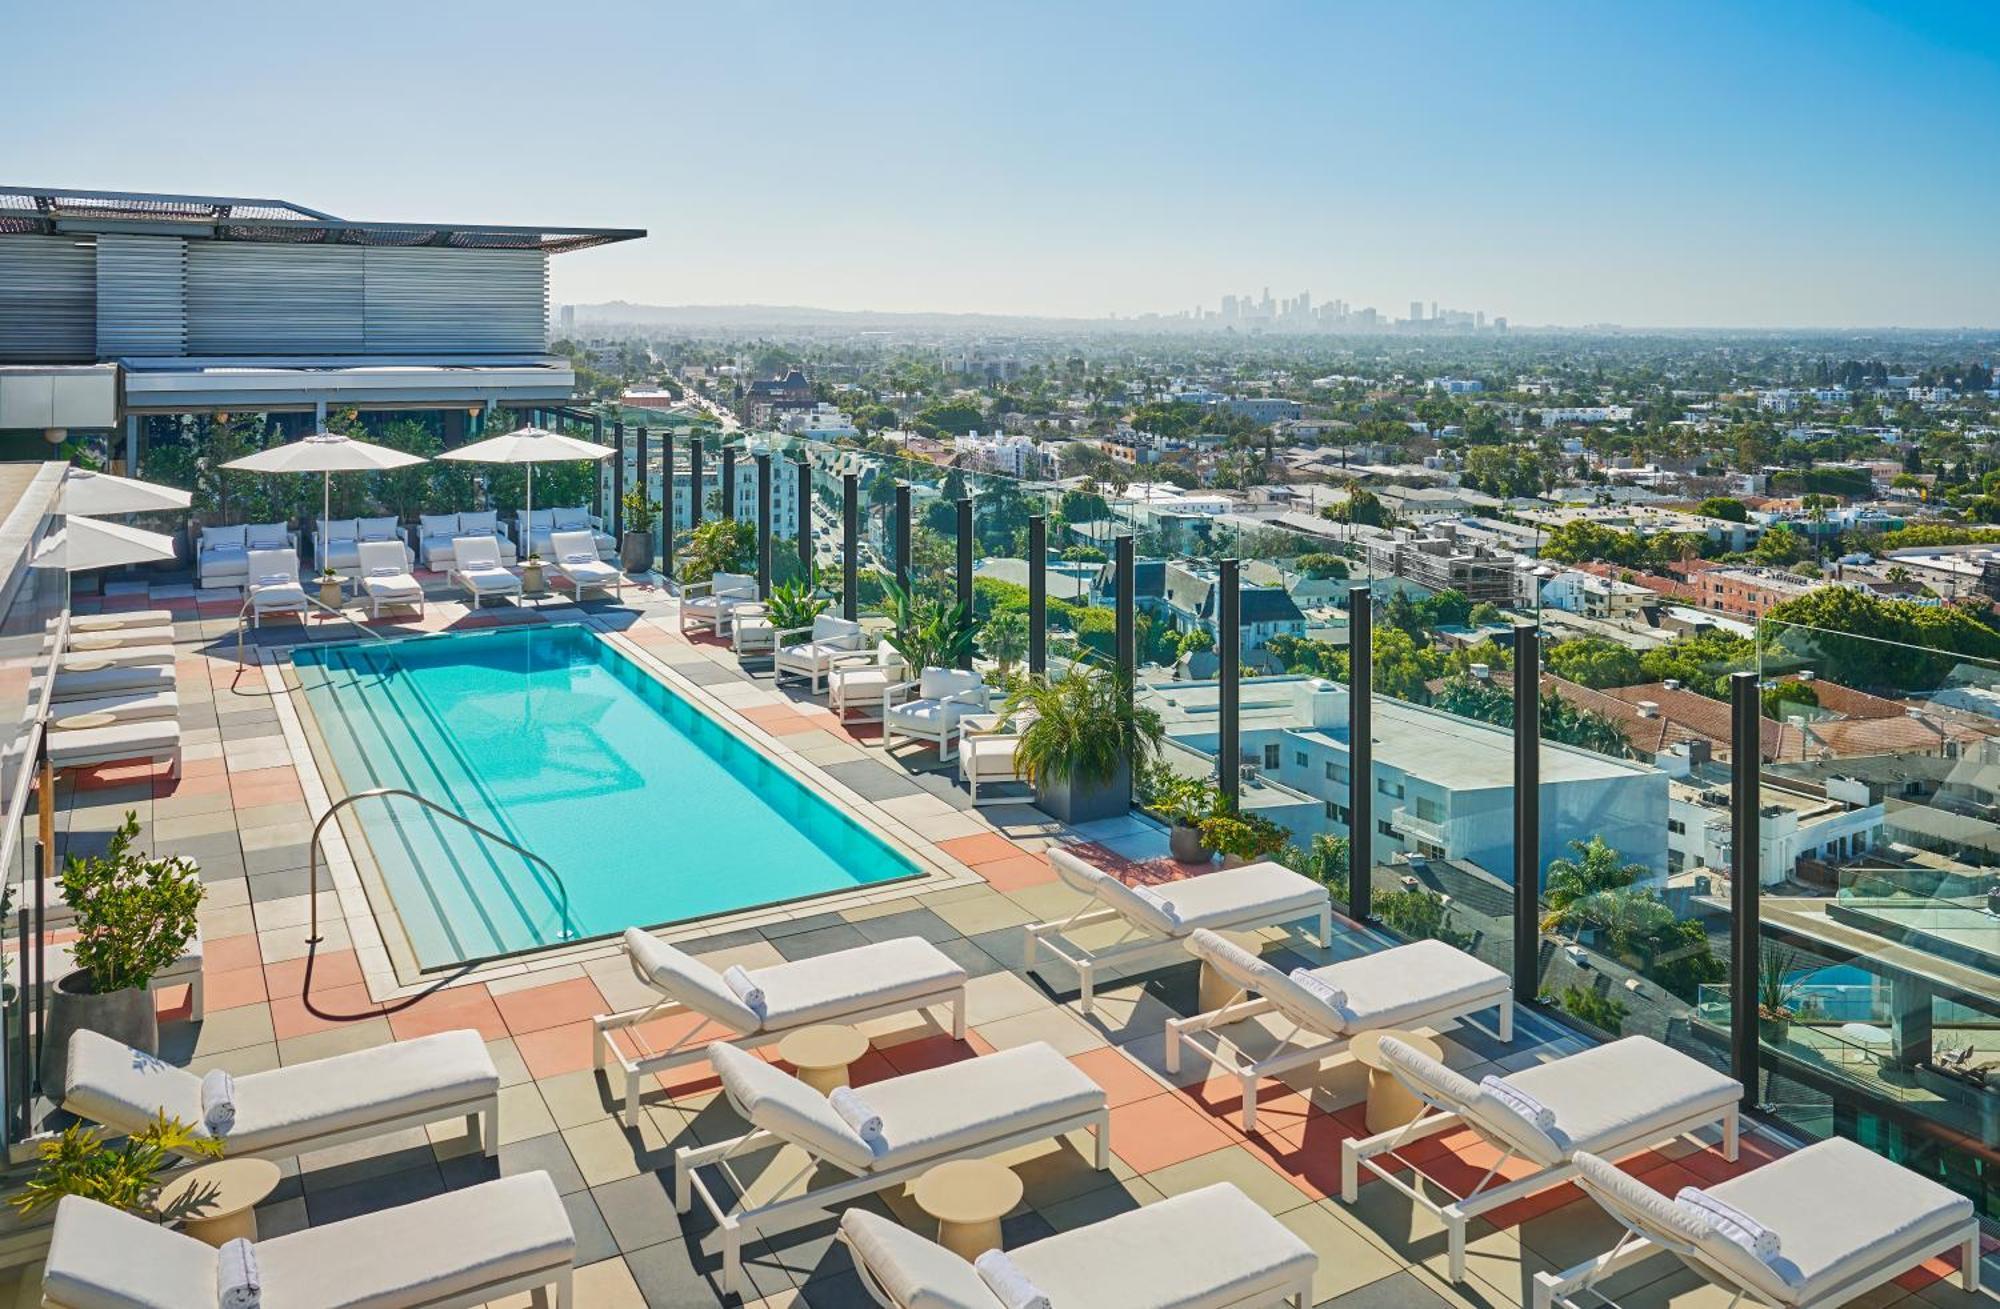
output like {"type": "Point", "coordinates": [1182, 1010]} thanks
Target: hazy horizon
{"type": "Point", "coordinates": [1792, 166]}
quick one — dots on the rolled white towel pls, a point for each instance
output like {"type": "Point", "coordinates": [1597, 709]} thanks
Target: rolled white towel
{"type": "Point", "coordinates": [274, 579]}
{"type": "Point", "coordinates": [854, 1111]}
{"type": "Point", "coordinates": [1332, 996]}
{"type": "Point", "coordinates": [218, 1102]}
{"type": "Point", "coordinates": [238, 1285]}
{"type": "Point", "coordinates": [1159, 902]}
{"type": "Point", "coordinates": [1519, 1101]}
{"type": "Point", "coordinates": [578, 557]}
{"type": "Point", "coordinates": [1731, 1222]}
{"type": "Point", "coordinates": [737, 979]}
{"type": "Point", "coordinates": [1005, 1279]}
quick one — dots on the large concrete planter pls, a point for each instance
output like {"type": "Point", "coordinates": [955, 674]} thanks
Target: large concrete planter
{"type": "Point", "coordinates": [126, 1016]}
{"type": "Point", "coordinates": [635, 552]}
{"type": "Point", "coordinates": [1184, 843]}
{"type": "Point", "coordinates": [1079, 801]}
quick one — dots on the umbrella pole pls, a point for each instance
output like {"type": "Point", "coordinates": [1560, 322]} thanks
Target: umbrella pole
{"type": "Point", "coordinates": [325, 512]}
{"type": "Point", "coordinates": [528, 532]}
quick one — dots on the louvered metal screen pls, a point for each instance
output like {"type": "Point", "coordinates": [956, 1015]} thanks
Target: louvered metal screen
{"type": "Point", "coordinates": [273, 300]}
{"type": "Point", "coordinates": [456, 301]}
{"type": "Point", "coordinates": [141, 296]}
{"type": "Point", "coordinates": [48, 295]}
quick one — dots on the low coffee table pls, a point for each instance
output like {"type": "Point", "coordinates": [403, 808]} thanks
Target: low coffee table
{"type": "Point", "coordinates": [968, 1197]}
{"type": "Point", "coordinates": [822, 1054]}
{"type": "Point", "coordinates": [1390, 1104]}
{"type": "Point", "coordinates": [235, 1188]}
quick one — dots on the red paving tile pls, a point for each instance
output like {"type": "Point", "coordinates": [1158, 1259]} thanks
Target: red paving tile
{"type": "Point", "coordinates": [553, 1051]}
{"type": "Point", "coordinates": [539, 1007]}
{"type": "Point", "coordinates": [933, 1051]}
{"type": "Point", "coordinates": [333, 968]}
{"type": "Point", "coordinates": [1018, 873]}
{"type": "Point", "coordinates": [331, 1008]}
{"type": "Point", "coordinates": [1150, 1134]}
{"type": "Point", "coordinates": [447, 1010]}
{"type": "Point", "coordinates": [982, 848]}
{"type": "Point", "coordinates": [1124, 1079]}
{"type": "Point", "coordinates": [234, 989]}
{"type": "Point", "coordinates": [226, 954]}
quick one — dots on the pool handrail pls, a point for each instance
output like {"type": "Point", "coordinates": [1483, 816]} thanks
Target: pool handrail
{"type": "Point", "coordinates": [243, 618]}
{"type": "Point", "coordinates": [312, 856]}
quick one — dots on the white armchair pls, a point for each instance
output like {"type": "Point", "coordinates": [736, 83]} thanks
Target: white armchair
{"type": "Point", "coordinates": [272, 585]}
{"type": "Point", "coordinates": [988, 746]}
{"type": "Point", "coordinates": [942, 697]}
{"type": "Point", "coordinates": [713, 604]}
{"type": "Point", "coordinates": [861, 685]}
{"type": "Point", "coordinates": [831, 640]}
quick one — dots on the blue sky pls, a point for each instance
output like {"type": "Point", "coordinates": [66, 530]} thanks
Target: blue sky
{"type": "Point", "coordinates": [1766, 164]}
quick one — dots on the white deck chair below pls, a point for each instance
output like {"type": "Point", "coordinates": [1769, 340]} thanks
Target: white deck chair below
{"type": "Point", "coordinates": [878, 980]}
{"type": "Point", "coordinates": [79, 684]}
{"type": "Point", "coordinates": [1844, 1220]}
{"type": "Point", "coordinates": [273, 585]}
{"type": "Point", "coordinates": [386, 579]}
{"type": "Point", "coordinates": [123, 706]}
{"type": "Point", "coordinates": [155, 739]}
{"type": "Point", "coordinates": [476, 566]}
{"type": "Point", "coordinates": [1214, 1248]}
{"type": "Point", "coordinates": [577, 563]}
{"type": "Point", "coordinates": [1263, 894]}
{"type": "Point", "coordinates": [1421, 984]}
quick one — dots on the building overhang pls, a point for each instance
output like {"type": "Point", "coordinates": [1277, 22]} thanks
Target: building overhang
{"type": "Point", "coordinates": [179, 385]}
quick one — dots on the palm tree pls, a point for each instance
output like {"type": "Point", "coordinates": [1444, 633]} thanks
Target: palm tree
{"type": "Point", "coordinates": [1005, 640]}
{"type": "Point", "coordinates": [1571, 883]}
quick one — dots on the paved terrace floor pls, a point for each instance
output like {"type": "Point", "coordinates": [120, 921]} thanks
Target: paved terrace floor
{"type": "Point", "coordinates": [239, 809]}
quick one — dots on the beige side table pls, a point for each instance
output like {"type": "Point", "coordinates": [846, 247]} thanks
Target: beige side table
{"type": "Point", "coordinates": [1390, 1104]}
{"type": "Point", "coordinates": [822, 1054]}
{"type": "Point", "coordinates": [238, 1187]}
{"type": "Point", "coordinates": [968, 1197]}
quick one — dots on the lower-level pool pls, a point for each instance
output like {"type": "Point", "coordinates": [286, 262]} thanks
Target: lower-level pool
{"type": "Point", "coordinates": [649, 810]}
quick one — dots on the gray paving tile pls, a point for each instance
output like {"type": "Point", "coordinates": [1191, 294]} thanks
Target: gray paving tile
{"type": "Point", "coordinates": [1403, 1290]}
{"type": "Point", "coordinates": [824, 940]}
{"type": "Point", "coordinates": [593, 1238]}
{"type": "Point", "coordinates": [910, 922]}
{"type": "Point", "coordinates": [639, 1211]}
{"type": "Point", "coordinates": [868, 779]}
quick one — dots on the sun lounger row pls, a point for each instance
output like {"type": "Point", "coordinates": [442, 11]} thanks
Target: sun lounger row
{"type": "Point", "coordinates": [112, 692]}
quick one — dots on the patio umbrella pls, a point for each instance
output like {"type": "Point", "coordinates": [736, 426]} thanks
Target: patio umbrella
{"type": "Point", "coordinates": [325, 453]}
{"type": "Point", "coordinates": [530, 446]}
{"type": "Point", "coordinates": [85, 543]}
{"type": "Point", "coordinates": [86, 492]}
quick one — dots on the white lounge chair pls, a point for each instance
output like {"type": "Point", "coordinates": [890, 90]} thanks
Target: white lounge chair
{"type": "Point", "coordinates": [1214, 1248]}
{"type": "Point", "coordinates": [828, 641]}
{"type": "Point", "coordinates": [1843, 1219]}
{"type": "Point", "coordinates": [1612, 1100]}
{"type": "Point", "coordinates": [862, 686]}
{"type": "Point", "coordinates": [300, 1107]}
{"type": "Point", "coordinates": [123, 656]}
{"type": "Point", "coordinates": [273, 586]}
{"type": "Point", "coordinates": [121, 619]}
{"type": "Point", "coordinates": [1420, 984]}
{"type": "Point", "coordinates": [476, 566]}
{"type": "Point", "coordinates": [929, 707]}
{"type": "Point", "coordinates": [385, 576]}
{"type": "Point", "coordinates": [846, 986]}
{"type": "Point", "coordinates": [970, 1109]}
{"type": "Point", "coordinates": [1264, 894]}
{"type": "Point", "coordinates": [90, 683]}
{"type": "Point", "coordinates": [114, 638]}
{"type": "Point", "coordinates": [157, 739]}
{"type": "Point", "coordinates": [467, 1247]}
{"type": "Point", "coordinates": [576, 561]}
{"type": "Point", "coordinates": [713, 604]}
{"type": "Point", "coordinates": [988, 751]}
{"type": "Point", "coordinates": [124, 706]}
{"type": "Point", "coordinates": [543, 524]}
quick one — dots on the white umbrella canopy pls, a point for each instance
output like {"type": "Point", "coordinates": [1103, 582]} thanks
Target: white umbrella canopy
{"type": "Point", "coordinates": [530, 446]}
{"type": "Point", "coordinates": [87, 492]}
{"type": "Point", "coordinates": [84, 543]}
{"type": "Point", "coordinates": [325, 453]}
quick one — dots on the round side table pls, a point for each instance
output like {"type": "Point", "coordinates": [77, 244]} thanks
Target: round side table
{"type": "Point", "coordinates": [233, 1188]}
{"type": "Point", "coordinates": [968, 1197]}
{"type": "Point", "coordinates": [76, 722]}
{"type": "Point", "coordinates": [822, 1054]}
{"type": "Point", "coordinates": [1390, 1104]}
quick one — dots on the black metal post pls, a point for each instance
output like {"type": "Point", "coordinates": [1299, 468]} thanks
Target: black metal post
{"type": "Point", "coordinates": [763, 459]}
{"type": "Point", "coordinates": [1527, 811]}
{"type": "Point", "coordinates": [1127, 613]}
{"type": "Point", "coordinates": [850, 546]}
{"type": "Point", "coordinates": [667, 504]}
{"type": "Point", "coordinates": [618, 484]}
{"type": "Point", "coordinates": [729, 482]}
{"type": "Point", "coordinates": [696, 448]}
{"type": "Point", "coordinates": [903, 535]}
{"type": "Point", "coordinates": [23, 1080]}
{"type": "Point", "coordinates": [1228, 649]}
{"type": "Point", "coordinates": [1360, 751]}
{"type": "Point", "coordinates": [965, 572]}
{"type": "Point", "coordinates": [1038, 593]}
{"type": "Point", "coordinates": [1746, 859]}
{"type": "Point", "coordinates": [597, 438]}
{"type": "Point", "coordinates": [803, 468]}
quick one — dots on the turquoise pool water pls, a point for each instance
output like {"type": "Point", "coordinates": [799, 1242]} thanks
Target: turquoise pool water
{"type": "Point", "coordinates": [650, 811]}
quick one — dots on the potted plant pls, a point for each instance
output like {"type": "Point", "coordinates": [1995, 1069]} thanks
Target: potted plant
{"type": "Point", "coordinates": [135, 914]}
{"type": "Point", "coordinates": [127, 1178]}
{"type": "Point", "coordinates": [1185, 803]}
{"type": "Point", "coordinates": [1775, 992]}
{"type": "Point", "coordinates": [329, 588]}
{"type": "Point", "coordinates": [635, 548]}
{"type": "Point", "coordinates": [927, 633]}
{"type": "Point", "coordinates": [1086, 739]}
{"type": "Point", "coordinates": [793, 606]}
{"type": "Point", "coordinates": [1243, 838]}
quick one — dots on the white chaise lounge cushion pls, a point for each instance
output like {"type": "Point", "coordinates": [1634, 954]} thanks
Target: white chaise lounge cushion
{"type": "Point", "coordinates": [681, 976]}
{"type": "Point", "coordinates": [125, 706]}
{"type": "Point", "coordinates": [87, 745]}
{"type": "Point", "coordinates": [1206, 1249]}
{"type": "Point", "coordinates": [955, 1107]}
{"type": "Point", "coordinates": [917, 1273]}
{"type": "Point", "coordinates": [1627, 1092]}
{"type": "Point", "coordinates": [123, 656]}
{"type": "Point", "coordinates": [1390, 988]}
{"type": "Point", "coordinates": [1458, 1093]}
{"type": "Point", "coordinates": [113, 1084]}
{"type": "Point", "coordinates": [105, 1258]}
{"type": "Point", "coordinates": [823, 988]}
{"type": "Point", "coordinates": [1263, 892]}
{"type": "Point", "coordinates": [158, 634]}
{"type": "Point", "coordinates": [1836, 1207]}
{"type": "Point", "coordinates": [134, 679]}
{"type": "Point", "coordinates": [788, 1108]}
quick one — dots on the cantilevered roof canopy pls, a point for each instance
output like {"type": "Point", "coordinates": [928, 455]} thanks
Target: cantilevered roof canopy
{"type": "Point", "coordinates": [54, 210]}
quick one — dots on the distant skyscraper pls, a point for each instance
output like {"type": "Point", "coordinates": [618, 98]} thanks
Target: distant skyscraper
{"type": "Point", "coordinates": [1416, 311]}
{"type": "Point", "coordinates": [569, 320]}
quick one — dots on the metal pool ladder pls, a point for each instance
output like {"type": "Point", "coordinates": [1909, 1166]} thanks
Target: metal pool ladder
{"type": "Point", "coordinates": [312, 865]}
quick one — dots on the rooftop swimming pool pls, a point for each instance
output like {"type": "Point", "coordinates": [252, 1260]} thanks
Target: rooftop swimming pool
{"type": "Point", "coordinates": [649, 810]}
